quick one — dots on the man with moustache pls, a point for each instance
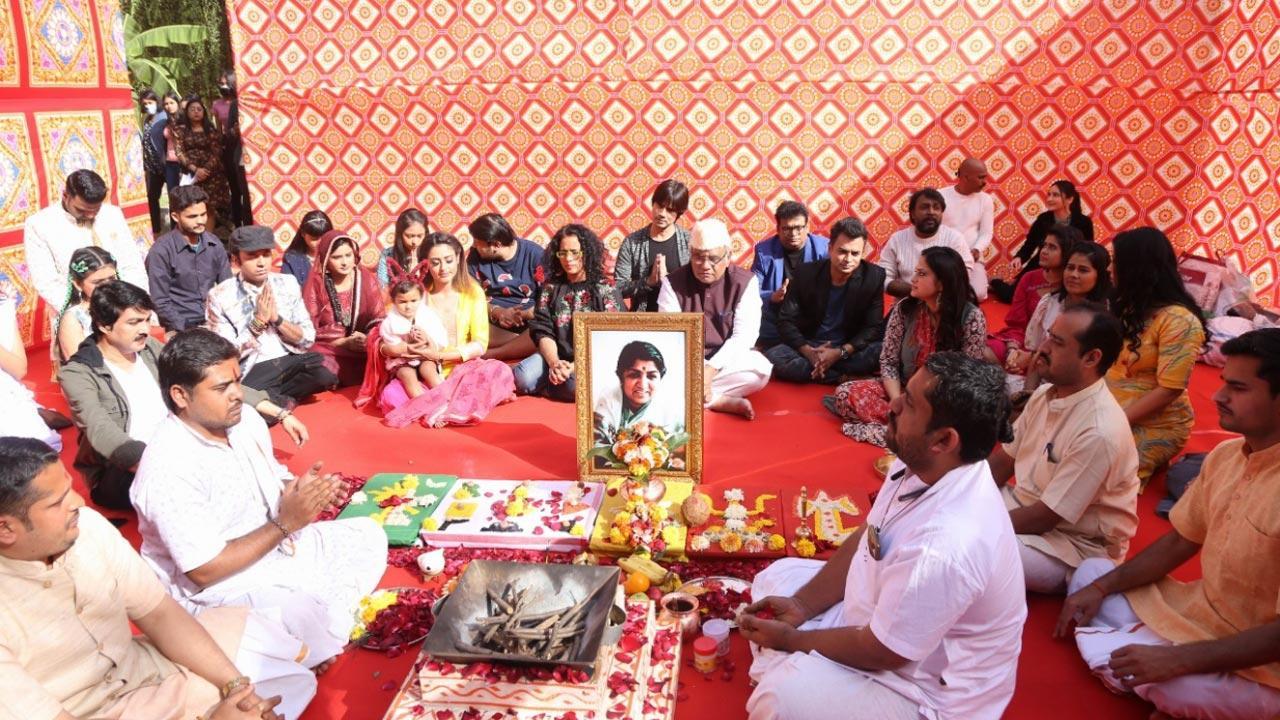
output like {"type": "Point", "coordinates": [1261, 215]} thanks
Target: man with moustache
{"type": "Point", "coordinates": [224, 524]}
{"type": "Point", "coordinates": [832, 320]}
{"type": "Point", "coordinates": [899, 256]}
{"type": "Point", "coordinates": [185, 263]}
{"type": "Point", "coordinates": [1076, 495]}
{"type": "Point", "coordinates": [727, 298]}
{"type": "Point", "coordinates": [920, 612]}
{"type": "Point", "coordinates": [261, 312]}
{"type": "Point", "coordinates": [111, 384]}
{"type": "Point", "coordinates": [971, 212]}
{"type": "Point", "coordinates": [70, 586]}
{"type": "Point", "coordinates": [1209, 648]}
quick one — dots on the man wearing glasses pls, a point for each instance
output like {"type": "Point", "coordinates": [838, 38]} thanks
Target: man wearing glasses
{"type": "Point", "coordinates": [728, 297]}
{"type": "Point", "coordinates": [779, 256]}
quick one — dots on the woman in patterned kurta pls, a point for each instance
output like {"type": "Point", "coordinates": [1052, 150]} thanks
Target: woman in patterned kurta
{"type": "Point", "coordinates": [940, 314]}
{"type": "Point", "coordinates": [198, 147]}
{"type": "Point", "coordinates": [574, 263]}
{"type": "Point", "coordinates": [1164, 333]}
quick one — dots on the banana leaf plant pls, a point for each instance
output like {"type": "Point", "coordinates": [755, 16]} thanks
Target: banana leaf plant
{"type": "Point", "coordinates": [153, 54]}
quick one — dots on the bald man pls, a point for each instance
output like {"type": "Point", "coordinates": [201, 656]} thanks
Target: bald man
{"type": "Point", "coordinates": [971, 212]}
{"type": "Point", "coordinates": [728, 298]}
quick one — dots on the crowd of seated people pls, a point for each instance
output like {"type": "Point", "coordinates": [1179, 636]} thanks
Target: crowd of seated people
{"type": "Point", "coordinates": [1040, 434]}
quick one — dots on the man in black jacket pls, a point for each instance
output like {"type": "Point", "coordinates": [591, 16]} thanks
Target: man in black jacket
{"type": "Point", "coordinates": [832, 319]}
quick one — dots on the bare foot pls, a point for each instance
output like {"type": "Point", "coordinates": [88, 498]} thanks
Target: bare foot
{"type": "Point", "coordinates": [733, 405]}
{"type": "Point", "coordinates": [319, 669]}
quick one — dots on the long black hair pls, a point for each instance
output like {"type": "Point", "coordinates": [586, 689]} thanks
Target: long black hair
{"type": "Point", "coordinates": [946, 265]}
{"type": "Point", "coordinates": [592, 254]}
{"type": "Point", "coordinates": [315, 223]}
{"type": "Point", "coordinates": [207, 122]}
{"type": "Point", "coordinates": [407, 219]}
{"type": "Point", "coordinates": [344, 318]}
{"type": "Point", "coordinates": [1068, 189]}
{"type": "Point", "coordinates": [1100, 259]}
{"type": "Point", "coordinates": [1146, 280]}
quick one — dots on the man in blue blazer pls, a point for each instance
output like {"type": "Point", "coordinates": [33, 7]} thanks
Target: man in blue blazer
{"type": "Point", "coordinates": [776, 258]}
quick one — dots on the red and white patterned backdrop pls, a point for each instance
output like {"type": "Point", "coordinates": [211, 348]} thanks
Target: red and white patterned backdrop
{"type": "Point", "coordinates": [551, 111]}
{"type": "Point", "coordinates": [65, 104]}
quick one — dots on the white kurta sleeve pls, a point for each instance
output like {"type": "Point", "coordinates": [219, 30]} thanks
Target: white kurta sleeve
{"type": "Point", "coordinates": [41, 264]}
{"type": "Point", "coordinates": [129, 260]}
{"type": "Point", "coordinates": [889, 261]}
{"type": "Point", "coordinates": [922, 595]}
{"type": "Point", "coordinates": [746, 328]}
{"type": "Point", "coordinates": [667, 300]}
{"type": "Point", "coordinates": [986, 224]}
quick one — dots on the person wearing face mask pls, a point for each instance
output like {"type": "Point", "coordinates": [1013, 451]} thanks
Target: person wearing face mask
{"type": "Point", "coordinates": [262, 313]}
{"type": "Point", "coordinates": [154, 120]}
{"type": "Point", "coordinates": [81, 218]}
{"type": "Point", "coordinates": [226, 109]}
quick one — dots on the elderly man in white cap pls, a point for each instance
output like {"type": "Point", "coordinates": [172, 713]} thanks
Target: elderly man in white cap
{"type": "Point", "coordinates": [728, 297]}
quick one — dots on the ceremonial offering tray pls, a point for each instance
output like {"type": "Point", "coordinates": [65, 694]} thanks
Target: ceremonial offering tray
{"type": "Point", "coordinates": [740, 522]}
{"type": "Point", "coordinates": [399, 502]}
{"type": "Point", "coordinates": [622, 519]}
{"type": "Point", "coordinates": [552, 597]}
{"type": "Point", "coordinates": [393, 617]}
{"type": "Point", "coordinates": [524, 514]}
{"type": "Point", "coordinates": [635, 679]}
{"type": "Point", "coordinates": [818, 523]}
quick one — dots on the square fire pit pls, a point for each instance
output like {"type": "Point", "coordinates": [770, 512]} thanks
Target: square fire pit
{"type": "Point", "coordinates": [548, 588]}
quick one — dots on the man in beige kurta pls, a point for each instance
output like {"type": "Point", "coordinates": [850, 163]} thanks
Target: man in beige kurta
{"type": "Point", "coordinates": [1076, 494]}
{"type": "Point", "coordinates": [70, 585]}
{"type": "Point", "coordinates": [1209, 648]}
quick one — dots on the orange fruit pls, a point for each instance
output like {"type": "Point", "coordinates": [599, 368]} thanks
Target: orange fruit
{"type": "Point", "coordinates": [636, 583]}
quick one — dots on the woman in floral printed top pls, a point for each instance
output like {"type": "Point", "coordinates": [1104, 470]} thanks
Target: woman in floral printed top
{"type": "Point", "coordinates": [575, 267]}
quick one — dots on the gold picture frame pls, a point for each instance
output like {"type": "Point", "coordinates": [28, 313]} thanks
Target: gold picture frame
{"type": "Point", "coordinates": [666, 374]}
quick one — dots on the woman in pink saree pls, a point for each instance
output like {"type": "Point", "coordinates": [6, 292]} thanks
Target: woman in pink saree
{"type": "Point", "coordinates": [344, 302]}
{"type": "Point", "coordinates": [472, 386]}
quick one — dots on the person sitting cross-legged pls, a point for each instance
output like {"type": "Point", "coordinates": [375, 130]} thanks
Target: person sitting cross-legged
{"type": "Point", "coordinates": [777, 257]}
{"type": "Point", "coordinates": [262, 313]}
{"type": "Point", "coordinates": [509, 269]}
{"type": "Point", "coordinates": [223, 523]}
{"type": "Point", "coordinates": [727, 298]}
{"type": "Point", "coordinates": [1209, 648]}
{"type": "Point", "coordinates": [575, 283]}
{"type": "Point", "coordinates": [899, 256]}
{"type": "Point", "coordinates": [70, 586]}
{"type": "Point", "coordinates": [919, 613]}
{"type": "Point", "coordinates": [1076, 495]}
{"type": "Point", "coordinates": [832, 320]}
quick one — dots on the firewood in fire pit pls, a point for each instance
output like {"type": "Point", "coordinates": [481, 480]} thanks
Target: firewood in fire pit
{"type": "Point", "coordinates": [510, 629]}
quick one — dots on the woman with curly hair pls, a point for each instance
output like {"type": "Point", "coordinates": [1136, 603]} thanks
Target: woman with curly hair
{"type": "Point", "coordinates": [345, 302]}
{"type": "Point", "coordinates": [941, 313]}
{"type": "Point", "coordinates": [1164, 332]}
{"type": "Point", "coordinates": [575, 283]}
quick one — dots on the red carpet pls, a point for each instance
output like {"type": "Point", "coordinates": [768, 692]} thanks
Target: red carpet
{"type": "Point", "coordinates": [793, 442]}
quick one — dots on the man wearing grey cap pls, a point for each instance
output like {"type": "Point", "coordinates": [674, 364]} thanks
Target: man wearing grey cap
{"type": "Point", "coordinates": [261, 312]}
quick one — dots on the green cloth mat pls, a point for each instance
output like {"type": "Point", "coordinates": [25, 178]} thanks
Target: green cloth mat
{"type": "Point", "coordinates": [402, 522]}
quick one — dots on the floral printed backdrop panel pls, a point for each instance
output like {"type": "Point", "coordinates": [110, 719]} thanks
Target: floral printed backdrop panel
{"type": "Point", "coordinates": [1161, 112]}
{"type": "Point", "coordinates": [19, 189]}
{"type": "Point", "coordinates": [140, 227]}
{"type": "Point", "coordinates": [61, 49]}
{"type": "Point", "coordinates": [111, 18]}
{"type": "Point", "coordinates": [13, 271]}
{"type": "Point", "coordinates": [131, 181]}
{"type": "Point", "coordinates": [70, 141]}
{"type": "Point", "coordinates": [9, 62]}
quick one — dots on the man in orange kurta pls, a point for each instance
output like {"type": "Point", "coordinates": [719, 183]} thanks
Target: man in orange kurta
{"type": "Point", "coordinates": [1208, 648]}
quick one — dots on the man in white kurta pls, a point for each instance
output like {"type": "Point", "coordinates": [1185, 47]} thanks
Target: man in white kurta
{"type": "Point", "coordinates": [195, 496]}
{"type": "Point", "coordinates": [922, 617]}
{"type": "Point", "coordinates": [971, 212]}
{"type": "Point", "coordinates": [728, 297]}
{"type": "Point", "coordinates": [79, 219]}
{"type": "Point", "coordinates": [900, 254]}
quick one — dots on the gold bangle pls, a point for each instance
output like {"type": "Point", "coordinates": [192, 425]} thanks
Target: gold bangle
{"type": "Point", "coordinates": [233, 684]}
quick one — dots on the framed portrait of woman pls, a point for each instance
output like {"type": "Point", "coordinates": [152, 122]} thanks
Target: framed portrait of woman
{"type": "Point", "coordinates": [639, 394]}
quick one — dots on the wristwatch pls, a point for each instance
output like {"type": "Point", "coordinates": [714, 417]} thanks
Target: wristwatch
{"type": "Point", "coordinates": [844, 352]}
